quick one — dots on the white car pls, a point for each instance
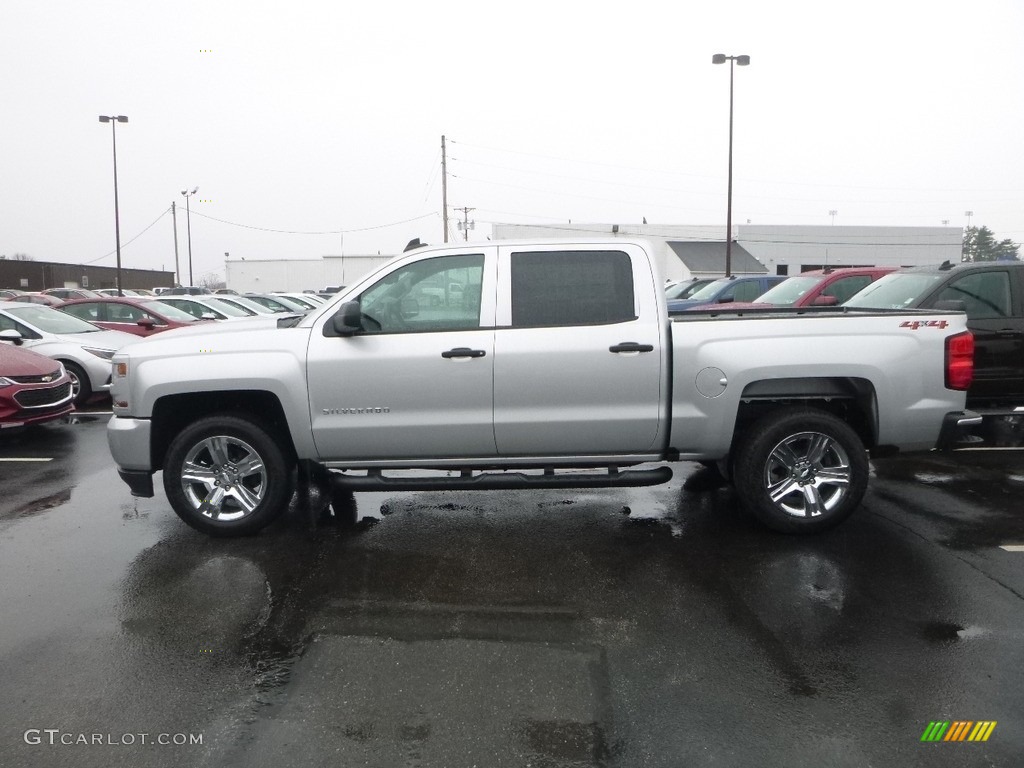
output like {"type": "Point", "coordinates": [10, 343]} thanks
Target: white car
{"type": "Point", "coordinates": [84, 349]}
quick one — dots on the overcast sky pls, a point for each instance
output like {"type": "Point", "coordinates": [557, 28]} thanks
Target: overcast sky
{"type": "Point", "coordinates": [314, 128]}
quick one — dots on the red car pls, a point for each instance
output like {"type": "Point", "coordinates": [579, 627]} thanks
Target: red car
{"type": "Point", "coordinates": [817, 288]}
{"type": "Point", "coordinates": [33, 388]}
{"type": "Point", "coordinates": [132, 314]}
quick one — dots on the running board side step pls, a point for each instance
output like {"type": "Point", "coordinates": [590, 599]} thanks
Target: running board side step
{"type": "Point", "coordinates": [501, 481]}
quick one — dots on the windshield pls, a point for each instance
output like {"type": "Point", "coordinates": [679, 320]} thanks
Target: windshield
{"type": "Point", "coordinates": [169, 312]}
{"type": "Point", "coordinates": [51, 320]}
{"type": "Point", "coordinates": [232, 310]}
{"type": "Point", "coordinates": [301, 301]}
{"type": "Point", "coordinates": [244, 303]}
{"type": "Point", "coordinates": [710, 290]}
{"type": "Point", "coordinates": [685, 290]}
{"type": "Point", "coordinates": [276, 304]}
{"type": "Point", "coordinates": [788, 292]}
{"type": "Point", "coordinates": [895, 291]}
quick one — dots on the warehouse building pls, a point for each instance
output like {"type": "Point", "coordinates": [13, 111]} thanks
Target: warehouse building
{"type": "Point", "coordinates": [34, 276]}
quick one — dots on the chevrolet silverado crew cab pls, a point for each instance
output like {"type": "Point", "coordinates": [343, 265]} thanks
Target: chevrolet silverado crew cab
{"type": "Point", "coordinates": [494, 379]}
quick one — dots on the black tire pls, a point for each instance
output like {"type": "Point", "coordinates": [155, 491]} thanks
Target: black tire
{"type": "Point", "coordinates": [240, 481]}
{"type": "Point", "coordinates": [80, 384]}
{"type": "Point", "coordinates": [801, 470]}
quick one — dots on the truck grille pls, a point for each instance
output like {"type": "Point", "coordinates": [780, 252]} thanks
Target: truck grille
{"type": "Point", "coordinates": [40, 398]}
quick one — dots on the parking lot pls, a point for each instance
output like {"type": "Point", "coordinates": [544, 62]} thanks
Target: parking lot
{"type": "Point", "coordinates": [628, 627]}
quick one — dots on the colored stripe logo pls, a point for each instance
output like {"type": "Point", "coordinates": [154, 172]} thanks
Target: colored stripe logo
{"type": "Point", "coordinates": [958, 730]}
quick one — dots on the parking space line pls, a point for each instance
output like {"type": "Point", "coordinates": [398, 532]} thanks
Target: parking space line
{"type": "Point", "coordinates": [1013, 547]}
{"type": "Point", "coordinates": [26, 459]}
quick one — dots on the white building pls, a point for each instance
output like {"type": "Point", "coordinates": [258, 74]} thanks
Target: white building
{"type": "Point", "coordinates": [290, 275]}
{"type": "Point", "coordinates": [683, 251]}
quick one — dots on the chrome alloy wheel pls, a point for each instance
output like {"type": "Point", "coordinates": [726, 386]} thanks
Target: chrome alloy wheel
{"type": "Point", "coordinates": [807, 474]}
{"type": "Point", "coordinates": [223, 478]}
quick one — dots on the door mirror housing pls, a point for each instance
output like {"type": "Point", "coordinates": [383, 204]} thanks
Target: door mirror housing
{"type": "Point", "coordinates": [347, 321]}
{"type": "Point", "coordinates": [825, 301]}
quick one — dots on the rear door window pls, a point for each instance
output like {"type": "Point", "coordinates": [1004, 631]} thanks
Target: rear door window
{"type": "Point", "coordinates": [558, 288]}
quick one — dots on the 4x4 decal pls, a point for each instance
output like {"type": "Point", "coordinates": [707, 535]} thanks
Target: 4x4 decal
{"type": "Point", "coordinates": [915, 324]}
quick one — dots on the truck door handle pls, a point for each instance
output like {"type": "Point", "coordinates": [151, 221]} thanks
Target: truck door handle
{"type": "Point", "coordinates": [462, 352]}
{"type": "Point", "coordinates": [631, 346]}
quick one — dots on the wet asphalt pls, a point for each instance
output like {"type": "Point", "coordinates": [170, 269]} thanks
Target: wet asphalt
{"type": "Point", "coordinates": [551, 629]}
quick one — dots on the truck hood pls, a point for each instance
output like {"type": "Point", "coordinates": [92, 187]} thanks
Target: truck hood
{"type": "Point", "coordinates": [245, 336]}
{"type": "Point", "coordinates": [218, 327]}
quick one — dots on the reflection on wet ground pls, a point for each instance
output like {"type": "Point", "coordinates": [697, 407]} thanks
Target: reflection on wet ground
{"type": "Point", "coordinates": [970, 497]}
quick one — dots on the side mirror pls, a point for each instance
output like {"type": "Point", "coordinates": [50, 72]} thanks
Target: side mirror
{"type": "Point", "coordinates": [347, 321]}
{"type": "Point", "coordinates": [726, 300]}
{"type": "Point", "coordinates": [208, 316]}
{"type": "Point", "coordinates": [146, 322]}
{"type": "Point", "coordinates": [953, 305]}
{"type": "Point", "coordinates": [12, 336]}
{"type": "Point", "coordinates": [825, 301]}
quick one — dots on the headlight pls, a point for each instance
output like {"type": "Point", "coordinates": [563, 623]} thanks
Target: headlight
{"type": "Point", "coordinates": [106, 354]}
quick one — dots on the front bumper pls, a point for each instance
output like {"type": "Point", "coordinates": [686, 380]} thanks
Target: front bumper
{"type": "Point", "coordinates": [129, 441]}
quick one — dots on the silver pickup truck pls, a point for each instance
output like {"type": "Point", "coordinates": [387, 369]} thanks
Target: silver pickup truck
{"type": "Point", "coordinates": [532, 364]}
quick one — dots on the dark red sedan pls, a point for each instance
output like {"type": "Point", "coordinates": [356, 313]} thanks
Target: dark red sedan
{"type": "Point", "coordinates": [33, 388]}
{"type": "Point", "coordinates": [132, 314]}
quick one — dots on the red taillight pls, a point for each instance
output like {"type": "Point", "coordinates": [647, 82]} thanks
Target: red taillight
{"type": "Point", "coordinates": [960, 361]}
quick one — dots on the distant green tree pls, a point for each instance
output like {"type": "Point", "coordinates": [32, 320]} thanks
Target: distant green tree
{"type": "Point", "coordinates": [980, 245]}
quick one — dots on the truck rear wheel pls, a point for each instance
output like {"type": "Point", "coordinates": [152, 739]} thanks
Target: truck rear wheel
{"type": "Point", "coordinates": [227, 476]}
{"type": "Point", "coordinates": [801, 470]}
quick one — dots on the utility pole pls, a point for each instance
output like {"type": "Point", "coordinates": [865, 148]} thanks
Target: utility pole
{"type": "Point", "coordinates": [444, 188]}
{"type": "Point", "coordinates": [465, 225]}
{"type": "Point", "coordinates": [177, 269]}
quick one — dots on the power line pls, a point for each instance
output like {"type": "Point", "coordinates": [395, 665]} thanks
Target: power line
{"type": "Point", "coordinates": [125, 245]}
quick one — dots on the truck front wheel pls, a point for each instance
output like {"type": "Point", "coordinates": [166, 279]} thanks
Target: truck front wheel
{"type": "Point", "coordinates": [801, 470]}
{"type": "Point", "coordinates": [227, 476]}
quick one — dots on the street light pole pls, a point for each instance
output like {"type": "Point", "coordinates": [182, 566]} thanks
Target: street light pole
{"type": "Point", "coordinates": [188, 228]}
{"type": "Point", "coordinates": [721, 58]}
{"type": "Point", "coordinates": [114, 120]}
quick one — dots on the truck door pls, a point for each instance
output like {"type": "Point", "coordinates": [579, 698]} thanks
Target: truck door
{"type": "Point", "coordinates": [579, 358]}
{"type": "Point", "coordinates": [417, 382]}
